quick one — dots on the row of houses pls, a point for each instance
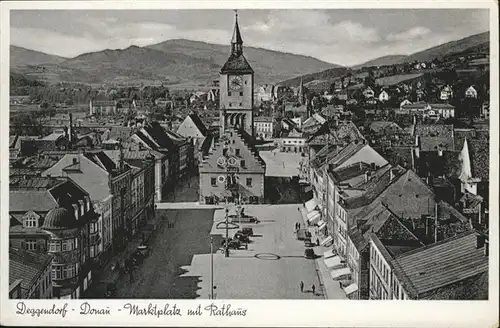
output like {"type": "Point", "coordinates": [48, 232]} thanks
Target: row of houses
{"type": "Point", "coordinates": [385, 222]}
{"type": "Point", "coordinates": [73, 209]}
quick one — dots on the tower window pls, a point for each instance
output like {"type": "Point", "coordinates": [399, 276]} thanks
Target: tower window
{"type": "Point", "coordinates": [249, 182]}
{"type": "Point", "coordinates": [213, 182]}
{"type": "Point", "coordinates": [241, 93]}
{"type": "Point", "coordinates": [229, 93]}
{"type": "Point", "coordinates": [245, 82]}
{"type": "Point", "coordinates": [241, 104]}
{"type": "Point", "coordinates": [230, 105]}
{"type": "Point", "coordinates": [237, 152]}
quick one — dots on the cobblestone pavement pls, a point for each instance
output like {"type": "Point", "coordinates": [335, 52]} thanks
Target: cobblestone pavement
{"type": "Point", "coordinates": [271, 268]}
{"type": "Point", "coordinates": [179, 266]}
{"type": "Point", "coordinates": [182, 235]}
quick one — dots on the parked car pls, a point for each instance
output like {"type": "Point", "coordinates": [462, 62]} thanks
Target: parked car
{"type": "Point", "coordinates": [233, 243]}
{"type": "Point", "coordinates": [247, 231]}
{"type": "Point", "coordinates": [309, 253]}
{"type": "Point", "coordinates": [242, 237]}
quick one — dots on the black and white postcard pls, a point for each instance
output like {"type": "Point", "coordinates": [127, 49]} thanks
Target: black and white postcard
{"type": "Point", "coordinates": [249, 164]}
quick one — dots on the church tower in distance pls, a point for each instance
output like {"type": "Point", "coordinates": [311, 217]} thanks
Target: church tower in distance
{"type": "Point", "coordinates": [236, 87]}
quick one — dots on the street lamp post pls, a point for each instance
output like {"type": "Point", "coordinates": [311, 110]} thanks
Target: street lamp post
{"type": "Point", "coordinates": [211, 268]}
{"type": "Point", "coordinates": [227, 232]}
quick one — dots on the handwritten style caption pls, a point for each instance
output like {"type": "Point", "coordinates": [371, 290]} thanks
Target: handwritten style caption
{"type": "Point", "coordinates": [133, 310]}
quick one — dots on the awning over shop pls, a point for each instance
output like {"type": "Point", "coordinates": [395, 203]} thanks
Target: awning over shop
{"type": "Point", "coordinates": [311, 205]}
{"type": "Point", "coordinates": [338, 273]}
{"type": "Point", "coordinates": [321, 225]}
{"type": "Point", "coordinates": [350, 289]}
{"type": "Point", "coordinates": [327, 240]}
{"type": "Point", "coordinates": [333, 262]}
{"type": "Point", "coordinates": [328, 253]}
{"type": "Point", "coordinates": [313, 217]}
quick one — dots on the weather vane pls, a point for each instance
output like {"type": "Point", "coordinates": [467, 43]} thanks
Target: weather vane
{"type": "Point", "coordinates": [236, 12]}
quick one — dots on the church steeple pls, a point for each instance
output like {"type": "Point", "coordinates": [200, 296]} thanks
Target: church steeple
{"type": "Point", "coordinates": [236, 41]}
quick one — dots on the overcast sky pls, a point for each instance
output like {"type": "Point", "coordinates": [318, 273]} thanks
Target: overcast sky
{"type": "Point", "coordinates": [345, 37]}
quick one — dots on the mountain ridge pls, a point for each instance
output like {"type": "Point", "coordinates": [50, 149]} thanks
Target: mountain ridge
{"type": "Point", "coordinates": [472, 43]}
{"type": "Point", "coordinates": [174, 61]}
{"type": "Point", "coordinates": [446, 48]}
{"type": "Point", "coordinates": [20, 56]}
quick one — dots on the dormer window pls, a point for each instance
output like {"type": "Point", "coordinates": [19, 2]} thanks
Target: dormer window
{"type": "Point", "coordinates": [31, 220]}
{"type": "Point", "coordinates": [75, 209]}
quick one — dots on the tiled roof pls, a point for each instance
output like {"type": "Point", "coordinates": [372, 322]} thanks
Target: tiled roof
{"type": "Point", "coordinates": [480, 156]}
{"type": "Point", "coordinates": [27, 265]}
{"type": "Point", "coordinates": [346, 153]}
{"type": "Point", "coordinates": [32, 183]}
{"type": "Point", "coordinates": [199, 124]}
{"type": "Point", "coordinates": [23, 200]}
{"type": "Point", "coordinates": [374, 187]}
{"type": "Point", "coordinates": [324, 156]}
{"type": "Point", "coordinates": [207, 143]}
{"type": "Point", "coordinates": [351, 171]}
{"type": "Point", "coordinates": [236, 64]}
{"type": "Point", "coordinates": [460, 135]}
{"type": "Point", "coordinates": [159, 135]}
{"type": "Point", "coordinates": [434, 136]}
{"type": "Point", "coordinates": [447, 165]}
{"type": "Point", "coordinates": [43, 163]}
{"type": "Point", "coordinates": [101, 159]}
{"type": "Point", "coordinates": [42, 194]}
{"type": "Point", "coordinates": [440, 264]}
{"type": "Point", "coordinates": [24, 171]}
{"type": "Point", "coordinates": [120, 132]}
{"type": "Point", "coordinates": [379, 126]}
{"type": "Point", "coordinates": [397, 155]}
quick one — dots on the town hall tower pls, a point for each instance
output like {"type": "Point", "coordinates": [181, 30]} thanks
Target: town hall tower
{"type": "Point", "coordinates": [236, 87]}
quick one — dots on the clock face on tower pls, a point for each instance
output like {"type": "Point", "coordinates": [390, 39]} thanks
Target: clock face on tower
{"type": "Point", "coordinates": [235, 82]}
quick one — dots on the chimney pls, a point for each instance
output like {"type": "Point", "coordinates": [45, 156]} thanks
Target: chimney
{"type": "Point", "coordinates": [417, 140]}
{"type": "Point", "coordinates": [486, 247]}
{"type": "Point", "coordinates": [440, 151]}
{"type": "Point", "coordinates": [480, 241]}
{"type": "Point", "coordinates": [366, 176]}
{"type": "Point", "coordinates": [417, 152]}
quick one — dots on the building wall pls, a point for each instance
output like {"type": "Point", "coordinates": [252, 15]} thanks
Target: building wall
{"type": "Point", "coordinates": [121, 190]}
{"type": "Point", "coordinates": [380, 275]}
{"type": "Point", "coordinates": [292, 145]}
{"type": "Point", "coordinates": [207, 189]}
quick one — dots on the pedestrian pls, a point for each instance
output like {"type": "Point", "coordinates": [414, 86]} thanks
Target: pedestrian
{"type": "Point", "coordinates": [314, 289]}
{"type": "Point", "coordinates": [317, 241]}
{"type": "Point", "coordinates": [301, 286]}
